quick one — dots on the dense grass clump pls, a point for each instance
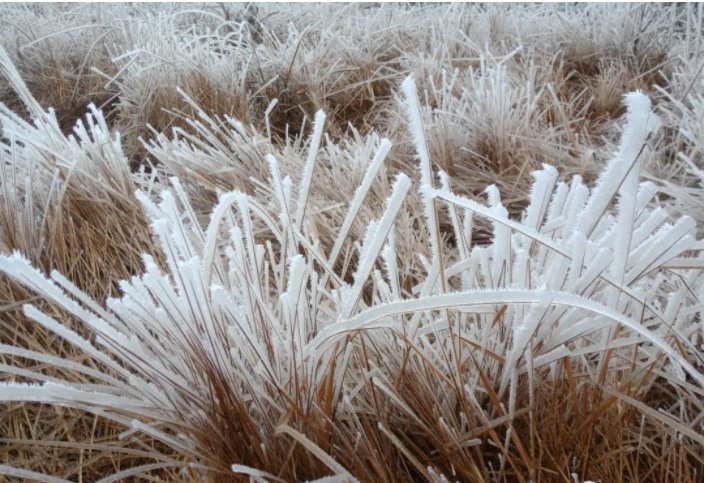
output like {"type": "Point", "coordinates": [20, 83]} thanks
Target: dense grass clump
{"type": "Point", "coordinates": [351, 242]}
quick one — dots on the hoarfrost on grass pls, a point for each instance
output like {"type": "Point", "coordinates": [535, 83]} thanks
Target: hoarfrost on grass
{"type": "Point", "coordinates": [251, 312]}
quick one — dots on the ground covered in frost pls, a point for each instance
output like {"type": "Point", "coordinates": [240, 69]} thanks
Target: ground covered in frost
{"type": "Point", "coordinates": [351, 242]}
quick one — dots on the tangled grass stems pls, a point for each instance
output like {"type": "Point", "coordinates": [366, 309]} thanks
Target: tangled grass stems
{"type": "Point", "coordinates": [263, 341]}
{"type": "Point", "coordinates": [248, 316]}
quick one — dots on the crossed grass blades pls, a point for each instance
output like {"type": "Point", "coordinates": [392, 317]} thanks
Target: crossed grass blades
{"type": "Point", "coordinates": [255, 330]}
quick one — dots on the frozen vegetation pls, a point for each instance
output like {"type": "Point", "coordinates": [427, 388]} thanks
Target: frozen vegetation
{"type": "Point", "coordinates": [351, 242]}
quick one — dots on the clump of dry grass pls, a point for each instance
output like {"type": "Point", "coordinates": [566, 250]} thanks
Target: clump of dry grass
{"type": "Point", "coordinates": [66, 204]}
{"type": "Point", "coordinates": [250, 337]}
{"type": "Point", "coordinates": [56, 49]}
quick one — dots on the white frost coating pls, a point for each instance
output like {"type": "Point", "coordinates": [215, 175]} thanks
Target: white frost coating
{"type": "Point", "coordinates": [255, 473]}
{"type": "Point", "coordinates": [149, 206]}
{"type": "Point", "coordinates": [28, 475]}
{"type": "Point", "coordinates": [297, 272]}
{"type": "Point", "coordinates": [520, 269]}
{"type": "Point", "coordinates": [416, 126]}
{"type": "Point", "coordinates": [72, 337]}
{"type": "Point", "coordinates": [520, 228]}
{"type": "Point", "coordinates": [138, 470]}
{"type": "Point", "coordinates": [50, 392]}
{"type": "Point", "coordinates": [372, 170]}
{"type": "Point", "coordinates": [335, 479]}
{"type": "Point", "coordinates": [539, 198]}
{"type": "Point", "coordinates": [65, 364]}
{"type": "Point", "coordinates": [466, 299]}
{"type": "Point", "coordinates": [319, 122]}
{"type": "Point", "coordinates": [325, 458]}
{"type": "Point", "coordinates": [501, 249]}
{"type": "Point", "coordinates": [20, 269]}
{"type": "Point", "coordinates": [457, 230]}
{"type": "Point", "coordinates": [243, 203]}
{"type": "Point", "coordinates": [270, 107]}
{"type": "Point", "coordinates": [493, 196]}
{"type": "Point", "coordinates": [292, 297]}
{"type": "Point", "coordinates": [651, 222]}
{"type": "Point", "coordinates": [645, 195]}
{"type": "Point", "coordinates": [178, 233]}
{"type": "Point", "coordinates": [665, 244]}
{"type": "Point", "coordinates": [563, 199]}
{"type": "Point", "coordinates": [162, 229]}
{"type": "Point", "coordinates": [389, 256]}
{"type": "Point", "coordinates": [9, 72]}
{"type": "Point", "coordinates": [521, 338]}
{"type": "Point", "coordinates": [209, 253]}
{"type": "Point", "coordinates": [626, 213]}
{"type": "Point", "coordinates": [640, 122]}
{"type": "Point", "coordinates": [372, 249]}
{"type": "Point", "coordinates": [579, 243]}
{"type": "Point", "coordinates": [282, 192]}
{"type": "Point", "coordinates": [81, 296]}
{"type": "Point", "coordinates": [498, 217]}
{"type": "Point", "coordinates": [467, 227]}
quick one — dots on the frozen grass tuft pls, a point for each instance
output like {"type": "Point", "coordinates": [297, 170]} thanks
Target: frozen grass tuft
{"type": "Point", "coordinates": [313, 289]}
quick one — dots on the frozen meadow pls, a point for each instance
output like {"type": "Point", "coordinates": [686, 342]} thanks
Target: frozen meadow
{"type": "Point", "coordinates": [351, 242]}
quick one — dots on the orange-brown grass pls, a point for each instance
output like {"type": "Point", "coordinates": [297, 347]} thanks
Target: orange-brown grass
{"type": "Point", "coordinates": [628, 422]}
{"type": "Point", "coordinates": [59, 66]}
{"type": "Point", "coordinates": [160, 107]}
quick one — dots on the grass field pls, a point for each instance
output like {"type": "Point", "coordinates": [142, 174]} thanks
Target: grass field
{"type": "Point", "coordinates": [351, 242]}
